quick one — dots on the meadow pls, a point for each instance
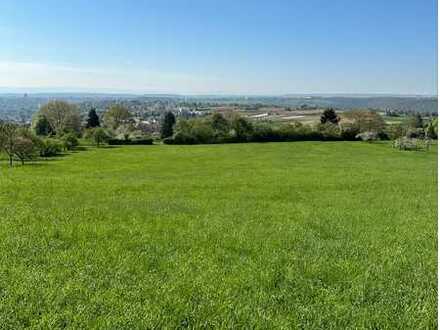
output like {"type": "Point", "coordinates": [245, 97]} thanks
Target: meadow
{"type": "Point", "coordinates": [309, 235]}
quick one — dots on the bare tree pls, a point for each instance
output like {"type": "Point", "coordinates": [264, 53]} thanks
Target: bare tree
{"type": "Point", "coordinates": [62, 116]}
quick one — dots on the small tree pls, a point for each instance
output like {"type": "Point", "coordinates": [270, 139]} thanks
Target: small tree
{"type": "Point", "coordinates": [431, 129]}
{"type": "Point", "coordinates": [99, 136]}
{"type": "Point", "coordinates": [166, 129]}
{"type": "Point", "coordinates": [93, 119]}
{"type": "Point", "coordinates": [8, 137]}
{"type": "Point", "coordinates": [366, 121]}
{"type": "Point", "coordinates": [62, 116]}
{"type": "Point", "coordinates": [115, 116]}
{"type": "Point", "coordinates": [242, 127]}
{"type": "Point", "coordinates": [220, 125]}
{"type": "Point", "coordinates": [70, 141]}
{"type": "Point", "coordinates": [329, 116]}
{"type": "Point", "coordinates": [41, 125]}
{"type": "Point", "coordinates": [24, 148]}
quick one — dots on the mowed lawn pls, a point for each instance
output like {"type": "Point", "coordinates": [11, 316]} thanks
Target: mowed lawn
{"type": "Point", "coordinates": [278, 235]}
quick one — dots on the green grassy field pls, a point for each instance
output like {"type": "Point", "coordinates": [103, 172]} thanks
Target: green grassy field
{"type": "Point", "coordinates": [287, 235]}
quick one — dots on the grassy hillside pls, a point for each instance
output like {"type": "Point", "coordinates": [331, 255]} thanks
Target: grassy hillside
{"type": "Point", "coordinates": [312, 235]}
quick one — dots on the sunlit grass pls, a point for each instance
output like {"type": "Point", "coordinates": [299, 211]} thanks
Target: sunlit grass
{"type": "Point", "coordinates": [287, 235]}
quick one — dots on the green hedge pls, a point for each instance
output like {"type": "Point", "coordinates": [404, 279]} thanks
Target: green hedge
{"type": "Point", "coordinates": [116, 142]}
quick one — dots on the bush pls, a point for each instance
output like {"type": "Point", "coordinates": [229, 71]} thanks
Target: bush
{"type": "Point", "coordinates": [368, 136]}
{"type": "Point", "coordinates": [329, 131]}
{"type": "Point", "coordinates": [70, 141]}
{"type": "Point", "coordinates": [50, 147]}
{"type": "Point", "coordinates": [349, 132]}
{"type": "Point", "coordinates": [25, 148]}
{"type": "Point", "coordinates": [168, 140]}
{"type": "Point", "coordinates": [411, 144]}
{"type": "Point", "coordinates": [415, 133]}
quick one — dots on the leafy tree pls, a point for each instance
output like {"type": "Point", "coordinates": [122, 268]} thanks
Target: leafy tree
{"type": "Point", "coordinates": [242, 127]}
{"type": "Point", "coordinates": [115, 116]}
{"type": "Point", "coordinates": [70, 141]}
{"type": "Point", "coordinates": [431, 129]}
{"type": "Point", "coordinates": [166, 128]}
{"type": "Point", "coordinates": [93, 119]}
{"type": "Point", "coordinates": [219, 123]}
{"type": "Point", "coordinates": [329, 130]}
{"type": "Point", "coordinates": [329, 116]}
{"type": "Point", "coordinates": [99, 136]}
{"type": "Point", "coordinates": [366, 121]}
{"type": "Point", "coordinates": [396, 131]}
{"type": "Point", "coordinates": [8, 137]}
{"type": "Point", "coordinates": [50, 147]}
{"type": "Point", "coordinates": [62, 116]}
{"type": "Point", "coordinates": [41, 125]}
{"type": "Point", "coordinates": [24, 148]}
{"type": "Point", "coordinates": [413, 122]}
{"type": "Point", "coordinates": [368, 136]}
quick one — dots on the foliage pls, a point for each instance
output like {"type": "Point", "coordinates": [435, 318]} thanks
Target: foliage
{"type": "Point", "coordinates": [93, 119]}
{"type": "Point", "coordinates": [415, 133]}
{"type": "Point", "coordinates": [50, 147]}
{"type": "Point", "coordinates": [40, 125]}
{"type": "Point", "coordinates": [166, 128]}
{"type": "Point", "coordinates": [142, 141]}
{"type": "Point", "coordinates": [242, 128]}
{"type": "Point", "coordinates": [396, 131]}
{"type": "Point", "coordinates": [115, 116]}
{"type": "Point", "coordinates": [329, 116]}
{"type": "Point", "coordinates": [368, 136]}
{"type": "Point", "coordinates": [349, 131]}
{"type": "Point", "coordinates": [62, 116]}
{"type": "Point", "coordinates": [365, 121]}
{"type": "Point", "coordinates": [431, 128]}
{"type": "Point", "coordinates": [220, 125]}
{"type": "Point", "coordinates": [414, 121]}
{"type": "Point", "coordinates": [414, 144]}
{"type": "Point", "coordinates": [99, 136]}
{"type": "Point", "coordinates": [329, 131]}
{"type": "Point", "coordinates": [70, 141]}
{"type": "Point", "coordinates": [25, 148]}
{"type": "Point", "coordinates": [8, 136]}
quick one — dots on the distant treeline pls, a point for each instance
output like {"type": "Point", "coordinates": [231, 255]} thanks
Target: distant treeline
{"type": "Point", "coordinates": [354, 125]}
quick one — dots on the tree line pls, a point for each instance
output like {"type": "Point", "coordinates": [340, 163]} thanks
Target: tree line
{"type": "Point", "coordinates": [349, 126]}
{"type": "Point", "coordinates": [58, 125]}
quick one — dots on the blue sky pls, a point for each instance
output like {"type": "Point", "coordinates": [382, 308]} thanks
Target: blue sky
{"type": "Point", "coordinates": [220, 47]}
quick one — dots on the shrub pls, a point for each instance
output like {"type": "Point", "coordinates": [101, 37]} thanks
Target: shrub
{"type": "Point", "coordinates": [25, 148]}
{"type": "Point", "coordinates": [395, 131]}
{"type": "Point", "coordinates": [99, 136]}
{"type": "Point", "coordinates": [415, 133]}
{"type": "Point", "coordinates": [168, 140]}
{"type": "Point", "coordinates": [145, 141]}
{"type": "Point", "coordinates": [349, 131]}
{"type": "Point", "coordinates": [50, 147]}
{"type": "Point", "coordinates": [368, 136]}
{"type": "Point", "coordinates": [411, 144]}
{"type": "Point", "coordinates": [329, 131]}
{"type": "Point", "coordinates": [70, 141]}
{"type": "Point", "coordinates": [431, 129]}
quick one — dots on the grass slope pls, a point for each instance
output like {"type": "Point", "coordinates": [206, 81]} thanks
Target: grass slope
{"type": "Point", "coordinates": [311, 235]}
